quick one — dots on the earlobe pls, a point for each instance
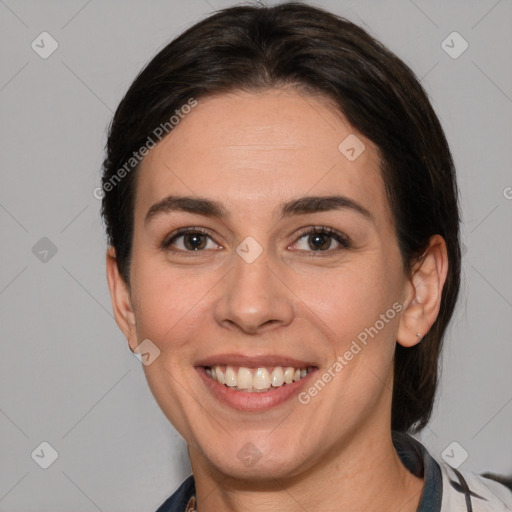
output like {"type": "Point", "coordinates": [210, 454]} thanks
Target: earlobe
{"type": "Point", "coordinates": [121, 300]}
{"type": "Point", "coordinates": [425, 292]}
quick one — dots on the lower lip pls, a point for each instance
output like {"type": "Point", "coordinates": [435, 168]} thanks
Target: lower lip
{"type": "Point", "coordinates": [255, 401]}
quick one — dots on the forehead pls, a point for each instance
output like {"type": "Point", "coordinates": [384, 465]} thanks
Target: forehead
{"type": "Point", "coordinates": [254, 150]}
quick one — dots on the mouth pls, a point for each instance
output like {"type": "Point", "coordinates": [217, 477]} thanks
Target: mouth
{"type": "Point", "coordinates": [256, 380]}
{"type": "Point", "coordinates": [254, 384]}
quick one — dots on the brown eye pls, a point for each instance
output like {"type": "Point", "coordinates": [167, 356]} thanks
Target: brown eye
{"type": "Point", "coordinates": [321, 239]}
{"type": "Point", "coordinates": [189, 240]}
{"type": "Point", "coordinates": [194, 242]}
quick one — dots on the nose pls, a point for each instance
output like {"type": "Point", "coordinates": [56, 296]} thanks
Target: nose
{"type": "Point", "coordinates": [252, 298]}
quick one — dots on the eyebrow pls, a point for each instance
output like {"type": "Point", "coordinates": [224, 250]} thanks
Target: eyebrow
{"type": "Point", "coordinates": [299, 206]}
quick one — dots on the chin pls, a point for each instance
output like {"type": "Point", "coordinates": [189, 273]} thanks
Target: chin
{"type": "Point", "coordinates": [257, 461]}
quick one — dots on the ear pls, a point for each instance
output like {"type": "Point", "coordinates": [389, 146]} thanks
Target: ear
{"type": "Point", "coordinates": [121, 300]}
{"type": "Point", "coordinates": [424, 293]}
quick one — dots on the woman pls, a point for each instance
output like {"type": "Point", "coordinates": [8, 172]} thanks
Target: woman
{"type": "Point", "coordinates": [282, 213]}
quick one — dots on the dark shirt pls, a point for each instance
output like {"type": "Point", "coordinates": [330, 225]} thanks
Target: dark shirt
{"type": "Point", "coordinates": [412, 453]}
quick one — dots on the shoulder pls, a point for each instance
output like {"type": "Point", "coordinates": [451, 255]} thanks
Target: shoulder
{"type": "Point", "coordinates": [448, 489]}
{"type": "Point", "coordinates": [466, 491]}
{"type": "Point", "coordinates": [179, 499]}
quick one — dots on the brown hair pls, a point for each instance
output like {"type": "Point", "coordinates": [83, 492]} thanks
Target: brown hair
{"type": "Point", "coordinates": [254, 48]}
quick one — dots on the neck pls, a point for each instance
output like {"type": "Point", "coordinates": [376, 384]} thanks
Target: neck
{"type": "Point", "coordinates": [365, 474]}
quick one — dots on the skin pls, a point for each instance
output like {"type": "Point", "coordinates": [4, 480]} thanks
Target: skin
{"type": "Point", "coordinates": [251, 152]}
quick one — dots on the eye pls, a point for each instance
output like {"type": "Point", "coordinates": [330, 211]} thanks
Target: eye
{"type": "Point", "coordinates": [321, 239]}
{"type": "Point", "coordinates": [312, 238]}
{"type": "Point", "coordinates": [190, 239]}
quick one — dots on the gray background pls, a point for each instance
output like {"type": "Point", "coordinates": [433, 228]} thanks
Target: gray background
{"type": "Point", "coordinates": [67, 376]}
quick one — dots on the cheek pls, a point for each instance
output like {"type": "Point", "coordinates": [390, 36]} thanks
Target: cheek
{"type": "Point", "coordinates": [349, 298]}
{"type": "Point", "coordinates": [166, 299]}
{"type": "Point", "coordinates": [357, 309]}
{"type": "Point", "coordinates": [360, 312]}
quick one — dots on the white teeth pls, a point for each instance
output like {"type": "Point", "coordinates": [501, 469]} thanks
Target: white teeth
{"type": "Point", "coordinates": [220, 375]}
{"type": "Point", "coordinates": [244, 378]}
{"type": "Point", "coordinates": [261, 379]}
{"type": "Point", "coordinates": [230, 377]}
{"type": "Point", "coordinates": [256, 379]}
{"type": "Point", "coordinates": [277, 377]}
{"type": "Point", "coordinates": [288, 375]}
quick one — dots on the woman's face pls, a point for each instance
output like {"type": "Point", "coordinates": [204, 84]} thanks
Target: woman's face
{"type": "Point", "coordinates": [255, 283]}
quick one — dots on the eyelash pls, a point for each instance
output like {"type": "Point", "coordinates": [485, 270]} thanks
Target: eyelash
{"type": "Point", "coordinates": [343, 240]}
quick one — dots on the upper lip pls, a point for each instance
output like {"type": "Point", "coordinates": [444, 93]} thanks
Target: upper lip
{"type": "Point", "coordinates": [257, 361]}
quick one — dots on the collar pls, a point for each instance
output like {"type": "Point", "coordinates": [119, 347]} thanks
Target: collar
{"type": "Point", "coordinates": [419, 462]}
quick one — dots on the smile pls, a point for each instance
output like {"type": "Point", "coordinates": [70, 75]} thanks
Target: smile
{"type": "Point", "coordinates": [261, 379]}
